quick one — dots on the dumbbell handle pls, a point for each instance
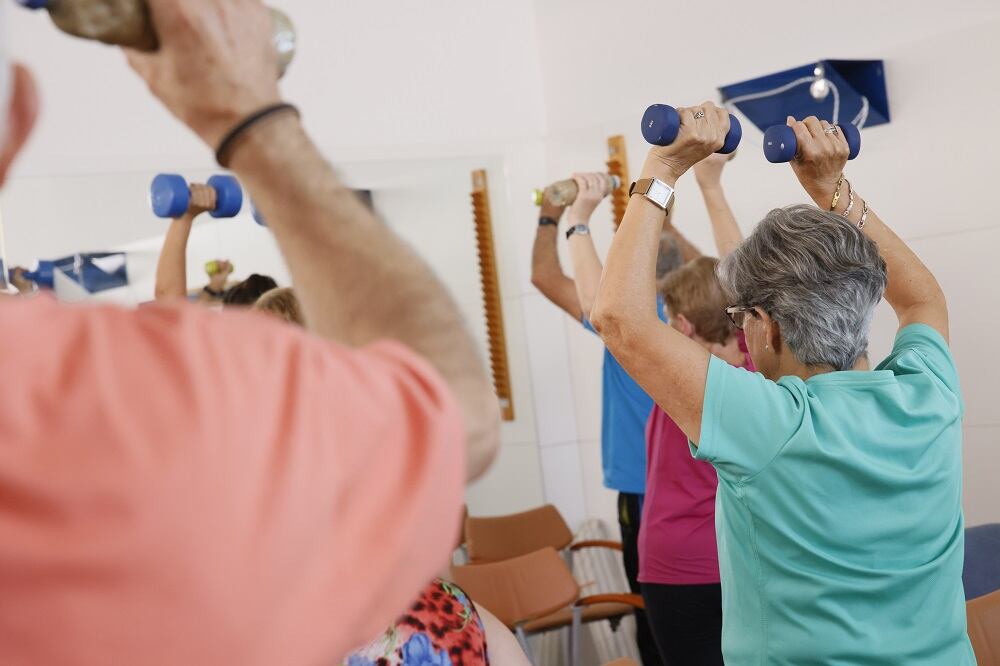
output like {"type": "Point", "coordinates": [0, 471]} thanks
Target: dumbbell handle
{"type": "Point", "coordinates": [661, 124]}
{"type": "Point", "coordinates": [780, 144]}
{"type": "Point", "coordinates": [31, 276]}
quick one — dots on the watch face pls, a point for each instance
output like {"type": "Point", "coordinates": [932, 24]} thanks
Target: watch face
{"type": "Point", "coordinates": [659, 192]}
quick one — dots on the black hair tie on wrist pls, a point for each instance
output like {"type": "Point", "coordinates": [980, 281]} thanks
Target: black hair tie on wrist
{"type": "Point", "coordinates": [226, 145]}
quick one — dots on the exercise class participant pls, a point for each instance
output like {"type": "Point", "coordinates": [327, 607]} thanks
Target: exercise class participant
{"type": "Point", "coordinates": [171, 268]}
{"type": "Point", "coordinates": [625, 406]}
{"type": "Point", "coordinates": [182, 486]}
{"type": "Point", "coordinates": [678, 554]}
{"type": "Point", "coordinates": [443, 625]}
{"type": "Point", "coordinates": [839, 503]}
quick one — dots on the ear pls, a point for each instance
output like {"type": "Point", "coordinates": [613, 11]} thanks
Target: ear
{"type": "Point", "coordinates": [684, 325]}
{"type": "Point", "coordinates": [772, 331]}
{"type": "Point", "coordinates": [21, 117]}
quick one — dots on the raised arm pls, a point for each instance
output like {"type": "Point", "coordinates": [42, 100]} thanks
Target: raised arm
{"type": "Point", "coordinates": [912, 291]}
{"type": "Point", "coordinates": [171, 269]}
{"type": "Point", "coordinates": [726, 231]}
{"type": "Point", "coordinates": [586, 264]}
{"type": "Point", "coordinates": [546, 272]}
{"type": "Point", "coordinates": [671, 368]}
{"type": "Point", "coordinates": [357, 282]}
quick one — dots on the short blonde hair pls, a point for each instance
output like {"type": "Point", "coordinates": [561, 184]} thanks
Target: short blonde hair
{"type": "Point", "coordinates": [282, 303]}
{"type": "Point", "coordinates": [694, 291]}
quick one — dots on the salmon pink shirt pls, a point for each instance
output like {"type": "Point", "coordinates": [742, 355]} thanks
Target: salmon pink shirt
{"type": "Point", "coordinates": [179, 486]}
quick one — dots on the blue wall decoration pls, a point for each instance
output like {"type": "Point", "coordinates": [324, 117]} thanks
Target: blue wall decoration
{"type": "Point", "coordinates": [838, 91]}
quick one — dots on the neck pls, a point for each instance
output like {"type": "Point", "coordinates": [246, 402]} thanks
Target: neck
{"type": "Point", "coordinates": [804, 372]}
{"type": "Point", "coordinates": [729, 351]}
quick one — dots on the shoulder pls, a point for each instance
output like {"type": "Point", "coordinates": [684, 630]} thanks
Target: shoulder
{"type": "Point", "coordinates": [921, 350]}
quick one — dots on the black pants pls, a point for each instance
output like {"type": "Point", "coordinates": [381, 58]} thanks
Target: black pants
{"type": "Point", "coordinates": [687, 622]}
{"type": "Point", "coordinates": [629, 516]}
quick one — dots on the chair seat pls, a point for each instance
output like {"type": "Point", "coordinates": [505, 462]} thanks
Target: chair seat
{"type": "Point", "coordinates": [564, 617]}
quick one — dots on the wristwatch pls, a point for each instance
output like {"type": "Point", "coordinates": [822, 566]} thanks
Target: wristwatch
{"type": "Point", "coordinates": [581, 229]}
{"type": "Point", "coordinates": [547, 221]}
{"type": "Point", "coordinates": [656, 191]}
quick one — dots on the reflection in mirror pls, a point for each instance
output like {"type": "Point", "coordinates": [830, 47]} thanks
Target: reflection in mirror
{"type": "Point", "coordinates": [106, 223]}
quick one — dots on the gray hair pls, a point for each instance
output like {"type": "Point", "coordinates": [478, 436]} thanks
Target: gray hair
{"type": "Point", "coordinates": [815, 274]}
{"type": "Point", "coordinates": [670, 258]}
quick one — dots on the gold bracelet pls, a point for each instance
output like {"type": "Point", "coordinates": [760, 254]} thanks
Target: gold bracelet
{"type": "Point", "coordinates": [864, 216]}
{"type": "Point", "coordinates": [836, 195]}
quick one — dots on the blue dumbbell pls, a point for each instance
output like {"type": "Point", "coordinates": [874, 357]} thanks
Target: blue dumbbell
{"type": "Point", "coordinates": [780, 144]}
{"type": "Point", "coordinates": [170, 196]}
{"type": "Point", "coordinates": [44, 277]}
{"type": "Point", "coordinates": [661, 123]}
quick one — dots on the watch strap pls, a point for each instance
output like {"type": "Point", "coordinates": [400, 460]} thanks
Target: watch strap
{"type": "Point", "coordinates": [581, 229]}
{"type": "Point", "coordinates": [547, 221]}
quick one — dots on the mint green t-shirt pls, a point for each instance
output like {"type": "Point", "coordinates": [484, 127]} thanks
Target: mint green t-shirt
{"type": "Point", "coordinates": [839, 513]}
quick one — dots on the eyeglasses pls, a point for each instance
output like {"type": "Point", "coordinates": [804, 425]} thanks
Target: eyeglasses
{"type": "Point", "coordinates": [738, 314]}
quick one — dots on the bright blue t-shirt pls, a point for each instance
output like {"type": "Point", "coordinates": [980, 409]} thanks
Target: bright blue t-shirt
{"type": "Point", "coordinates": [625, 408]}
{"type": "Point", "coordinates": [839, 511]}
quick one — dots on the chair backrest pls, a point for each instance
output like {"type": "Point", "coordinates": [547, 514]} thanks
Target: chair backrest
{"type": "Point", "coordinates": [624, 661]}
{"type": "Point", "coordinates": [984, 628]}
{"type": "Point", "coordinates": [982, 560]}
{"type": "Point", "coordinates": [502, 537]}
{"type": "Point", "coordinates": [522, 588]}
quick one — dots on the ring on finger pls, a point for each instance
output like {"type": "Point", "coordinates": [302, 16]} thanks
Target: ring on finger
{"type": "Point", "coordinates": [832, 129]}
{"type": "Point", "coordinates": [700, 113]}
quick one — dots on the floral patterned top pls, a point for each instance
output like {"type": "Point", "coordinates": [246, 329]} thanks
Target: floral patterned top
{"type": "Point", "coordinates": [441, 628]}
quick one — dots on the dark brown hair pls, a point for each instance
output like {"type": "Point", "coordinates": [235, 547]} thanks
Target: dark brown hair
{"type": "Point", "coordinates": [248, 291]}
{"type": "Point", "coordinates": [694, 291]}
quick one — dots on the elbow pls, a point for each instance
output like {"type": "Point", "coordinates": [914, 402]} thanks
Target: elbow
{"type": "Point", "coordinates": [607, 320]}
{"type": "Point", "coordinates": [541, 279]}
{"type": "Point", "coordinates": [623, 333]}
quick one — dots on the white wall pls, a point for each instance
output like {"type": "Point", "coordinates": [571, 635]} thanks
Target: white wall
{"type": "Point", "coordinates": [928, 172]}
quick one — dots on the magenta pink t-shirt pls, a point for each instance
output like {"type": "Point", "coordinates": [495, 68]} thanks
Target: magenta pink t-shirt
{"type": "Point", "coordinates": [677, 537]}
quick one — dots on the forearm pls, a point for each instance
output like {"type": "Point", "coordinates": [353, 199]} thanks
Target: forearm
{"type": "Point", "coordinates": [724, 227]}
{"type": "Point", "coordinates": [587, 270]}
{"type": "Point", "coordinates": [547, 274]}
{"type": "Point", "coordinates": [356, 281]}
{"type": "Point", "coordinates": [626, 299]}
{"type": "Point", "coordinates": [912, 290]}
{"type": "Point", "coordinates": [667, 365]}
{"type": "Point", "coordinates": [171, 268]}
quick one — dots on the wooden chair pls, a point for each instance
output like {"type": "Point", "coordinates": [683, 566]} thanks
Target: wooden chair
{"type": "Point", "coordinates": [498, 538]}
{"type": "Point", "coordinates": [984, 628]}
{"type": "Point", "coordinates": [537, 593]}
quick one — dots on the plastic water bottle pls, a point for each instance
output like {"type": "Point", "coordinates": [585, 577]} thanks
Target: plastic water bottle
{"type": "Point", "coordinates": [127, 23]}
{"type": "Point", "coordinates": [564, 192]}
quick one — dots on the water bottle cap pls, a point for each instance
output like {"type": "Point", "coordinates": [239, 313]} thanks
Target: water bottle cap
{"type": "Point", "coordinates": [537, 197]}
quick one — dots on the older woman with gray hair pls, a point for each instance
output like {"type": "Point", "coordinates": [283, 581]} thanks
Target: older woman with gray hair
{"type": "Point", "coordinates": [839, 505]}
